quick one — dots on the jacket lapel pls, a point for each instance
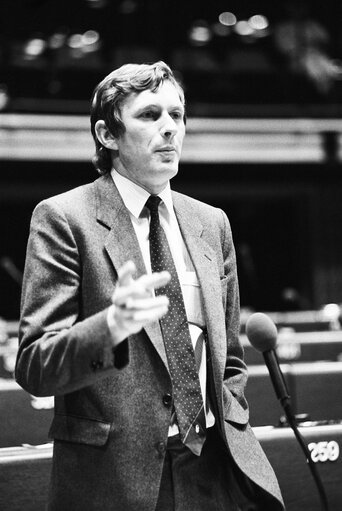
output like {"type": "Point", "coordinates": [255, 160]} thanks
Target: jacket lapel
{"type": "Point", "coordinates": [204, 260]}
{"type": "Point", "coordinates": [121, 243]}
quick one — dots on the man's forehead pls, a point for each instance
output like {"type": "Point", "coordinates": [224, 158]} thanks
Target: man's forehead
{"type": "Point", "coordinates": [167, 93]}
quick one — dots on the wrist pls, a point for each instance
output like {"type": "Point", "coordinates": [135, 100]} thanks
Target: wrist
{"type": "Point", "coordinates": [118, 333]}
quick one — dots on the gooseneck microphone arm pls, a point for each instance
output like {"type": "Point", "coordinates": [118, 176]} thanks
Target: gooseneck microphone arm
{"type": "Point", "coordinates": [277, 377]}
{"type": "Point", "coordinates": [262, 334]}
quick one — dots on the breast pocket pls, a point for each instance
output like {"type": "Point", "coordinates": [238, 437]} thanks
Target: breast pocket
{"type": "Point", "coordinates": [192, 298]}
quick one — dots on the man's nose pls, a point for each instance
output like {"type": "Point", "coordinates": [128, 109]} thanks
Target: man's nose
{"type": "Point", "coordinates": [169, 127]}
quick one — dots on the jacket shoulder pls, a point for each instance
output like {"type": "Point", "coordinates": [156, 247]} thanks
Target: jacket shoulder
{"type": "Point", "coordinates": [207, 214]}
{"type": "Point", "coordinates": [70, 197]}
{"type": "Point", "coordinates": [191, 202]}
{"type": "Point", "coordinates": [77, 203]}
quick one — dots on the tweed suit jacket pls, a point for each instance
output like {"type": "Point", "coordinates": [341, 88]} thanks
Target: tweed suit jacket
{"type": "Point", "coordinates": [110, 425]}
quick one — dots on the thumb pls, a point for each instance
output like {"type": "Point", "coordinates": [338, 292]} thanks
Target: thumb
{"type": "Point", "coordinates": [125, 273]}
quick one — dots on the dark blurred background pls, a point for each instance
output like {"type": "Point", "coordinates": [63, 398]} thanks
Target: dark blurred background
{"type": "Point", "coordinates": [235, 57]}
{"type": "Point", "coordinates": [263, 82]}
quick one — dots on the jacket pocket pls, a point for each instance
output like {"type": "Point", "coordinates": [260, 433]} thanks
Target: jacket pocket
{"type": "Point", "coordinates": [81, 430]}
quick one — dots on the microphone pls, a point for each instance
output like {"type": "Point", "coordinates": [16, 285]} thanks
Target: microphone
{"type": "Point", "coordinates": [262, 334]}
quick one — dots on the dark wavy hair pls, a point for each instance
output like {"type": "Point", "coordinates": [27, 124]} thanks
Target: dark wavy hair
{"type": "Point", "coordinates": [109, 94]}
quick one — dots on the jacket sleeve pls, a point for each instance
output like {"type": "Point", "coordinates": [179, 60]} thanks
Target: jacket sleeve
{"type": "Point", "coordinates": [59, 351]}
{"type": "Point", "coordinates": [235, 374]}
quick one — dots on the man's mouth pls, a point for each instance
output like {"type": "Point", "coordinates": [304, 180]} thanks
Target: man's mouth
{"type": "Point", "coordinates": [166, 149]}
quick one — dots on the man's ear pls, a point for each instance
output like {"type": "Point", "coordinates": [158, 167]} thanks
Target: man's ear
{"type": "Point", "coordinates": [104, 136]}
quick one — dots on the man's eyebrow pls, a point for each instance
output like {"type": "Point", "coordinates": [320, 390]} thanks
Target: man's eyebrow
{"type": "Point", "coordinates": [158, 106]}
{"type": "Point", "coordinates": [149, 105]}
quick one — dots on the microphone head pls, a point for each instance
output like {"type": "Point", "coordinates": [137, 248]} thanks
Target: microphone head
{"type": "Point", "coordinates": [261, 332]}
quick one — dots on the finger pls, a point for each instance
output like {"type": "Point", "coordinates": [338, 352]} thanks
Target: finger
{"type": "Point", "coordinates": [155, 280]}
{"type": "Point", "coordinates": [145, 317]}
{"type": "Point", "coordinates": [140, 288]}
{"type": "Point", "coordinates": [138, 319]}
{"type": "Point", "coordinates": [125, 273]}
{"type": "Point", "coordinates": [135, 305]}
{"type": "Point", "coordinates": [122, 294]}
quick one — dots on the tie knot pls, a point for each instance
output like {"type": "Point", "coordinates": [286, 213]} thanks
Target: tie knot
{"type": "Point", "coordinates": [153, 202]}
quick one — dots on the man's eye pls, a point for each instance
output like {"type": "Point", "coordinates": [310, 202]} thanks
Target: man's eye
{"type": "Point", "coordinates": [178, 116]}
{"type": "Point", "coordinates": [149, 114]}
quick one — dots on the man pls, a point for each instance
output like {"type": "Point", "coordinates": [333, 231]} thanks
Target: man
{"type": "Point", "coordinates": [112, 270]}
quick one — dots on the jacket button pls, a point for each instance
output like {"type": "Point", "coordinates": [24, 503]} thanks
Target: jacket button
{"type": "Point", "coordinates": [167, 399]}
{"type": "Point", "coordinates": [96, 364]}
{"type": "Point", "coordinates": [161, 447]}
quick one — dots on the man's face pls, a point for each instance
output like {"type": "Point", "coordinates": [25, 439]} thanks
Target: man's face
{"type": "Point", "coordinates": [150, 148]}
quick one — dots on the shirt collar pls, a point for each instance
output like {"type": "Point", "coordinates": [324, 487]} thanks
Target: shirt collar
{"type": "Point", "coordinates": [135, 197]}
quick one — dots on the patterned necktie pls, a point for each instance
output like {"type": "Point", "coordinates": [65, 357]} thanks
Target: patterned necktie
{"type": "Point", "coordinates": [187, 396]}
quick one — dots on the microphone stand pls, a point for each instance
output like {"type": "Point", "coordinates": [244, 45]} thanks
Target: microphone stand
{"type": "Point", "coordinates": [280, 388]}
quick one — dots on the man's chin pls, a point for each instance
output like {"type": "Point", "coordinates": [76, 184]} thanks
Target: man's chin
{"type": "Point", "coordinates": [169, 170]}
{"type": "Point", "coordinates": [159, 179]}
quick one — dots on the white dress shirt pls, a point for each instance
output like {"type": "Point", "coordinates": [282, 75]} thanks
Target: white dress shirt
{"type": "Point", "coordinates": [134, 198]}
